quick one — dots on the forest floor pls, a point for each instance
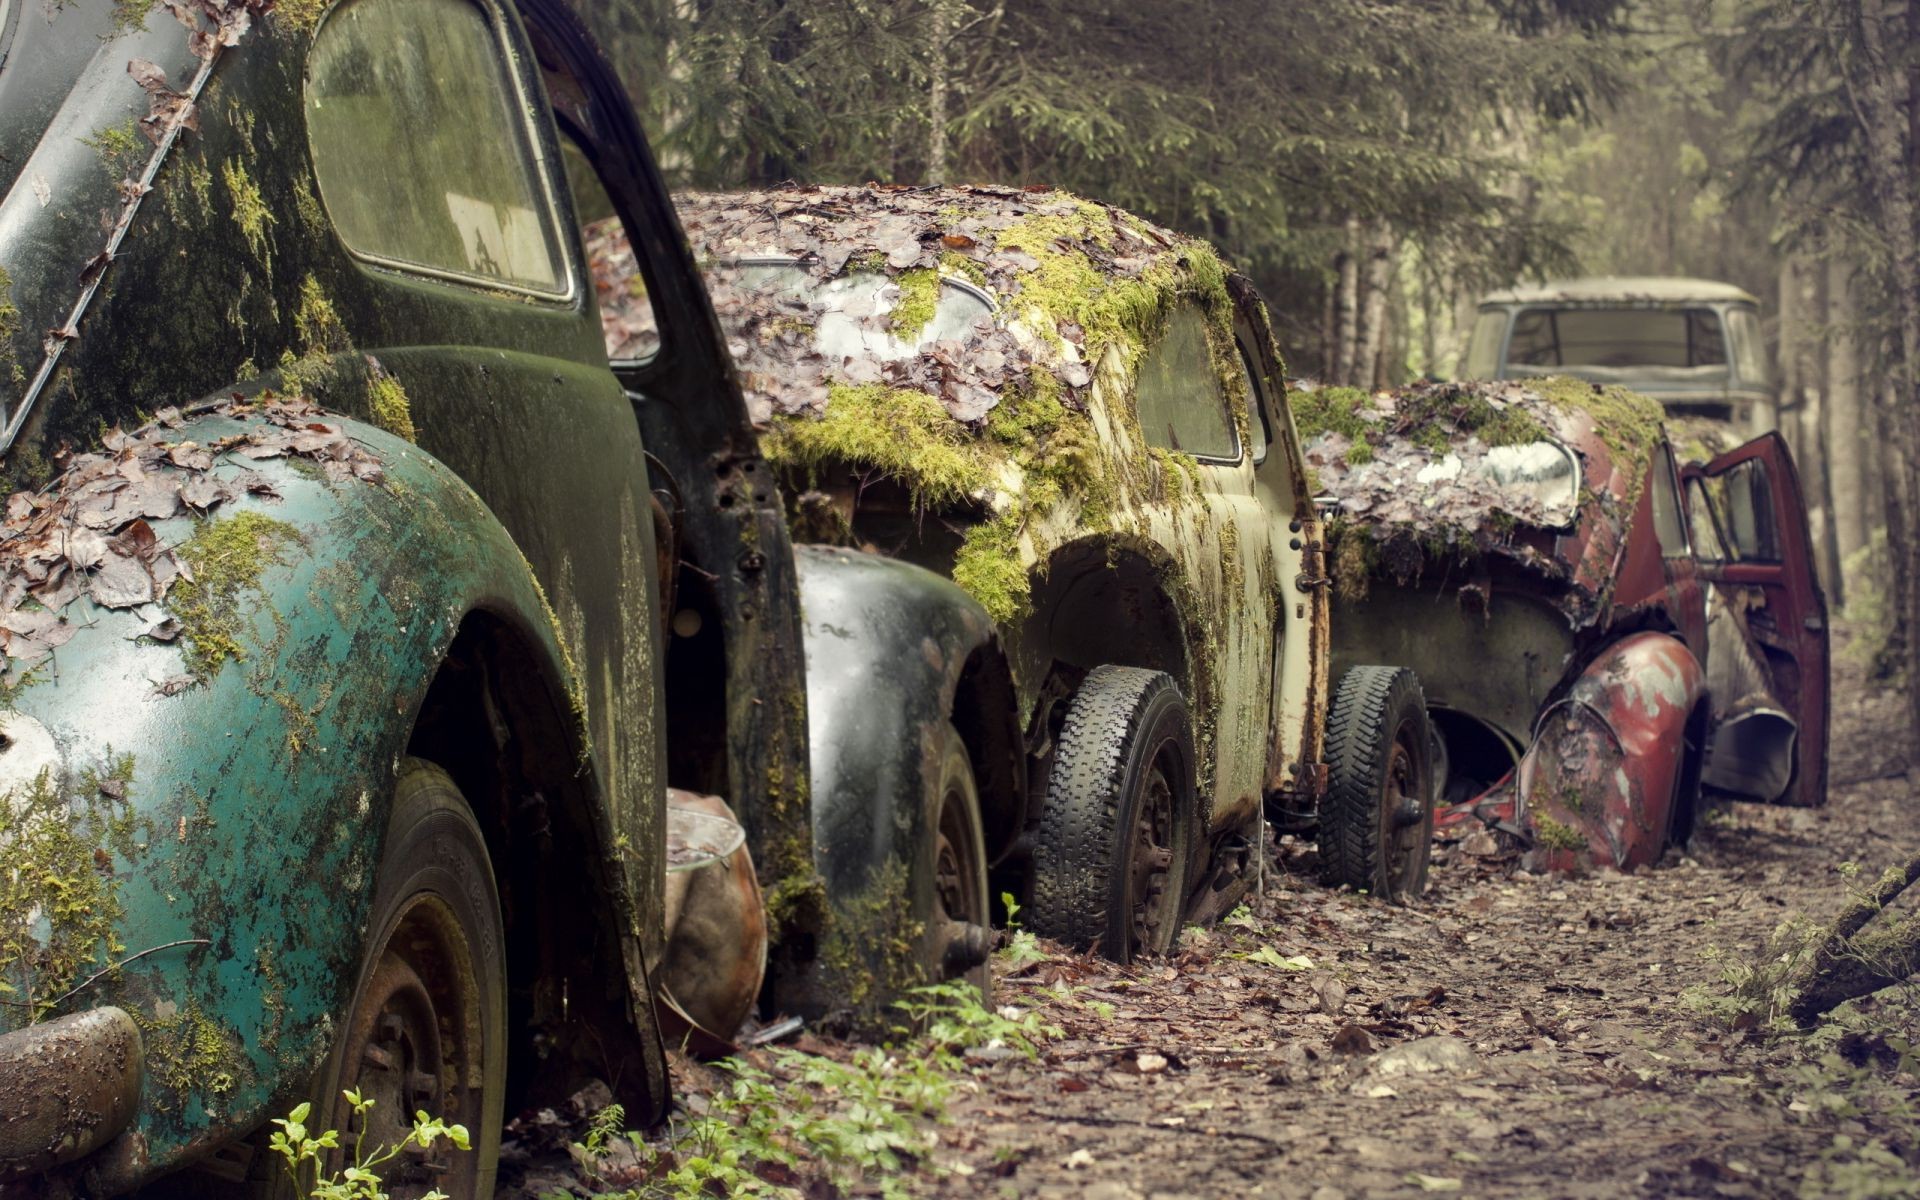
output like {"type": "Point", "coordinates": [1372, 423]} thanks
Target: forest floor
{"type": "Point", "coordinates": [1512, 1035]}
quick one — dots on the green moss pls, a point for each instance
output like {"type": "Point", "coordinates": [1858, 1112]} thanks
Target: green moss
{"type": "Point", "coordinates": [190, 181]}
{"type": "Point", "coordinates": [301, 16]}
{"type": "Point", "coordinates": [1557, 836]}
{"type": "Point", "coordinates": [316, 322]}
{"type": "Point", "coordinates": [120, 148]}
{"type": "Point", "coordinates": [576, 681]}
{"type": "Point", "coordinates": [797, 900]}
{"type": "Point", "coordinates": [1628, 423]}
{"type": "Point", "coordinates": [989, 569]}
{"type": "Point", "coordinates": [132, 14]}
{"type": "Point", "coordinates": [919, 300]}
{"type": "Point", "coordinates": [1354, 557]}
{"type": "Point", "coordinates": [1360, 452]}
{"type": "Point", "coordinates": [387, 401]}
{"type": "Point", "coordinates": [959, 265]}
{"type": "Point", "coordinates": [871, 953]}
{"type": "Point", "coordinates": [307, 206]}
{"type": "Point", "coordinates": [59, 890]}
{"type": "Point", "coordinates": [1332, 410]}
{"type": "Point", "coordinates": [228, 557]}
{"type": "Point", "coordinates": [188, 1052]}
{"type": "Point", "coordinates": [250, 211]}
{"type": "Point", "coordinates": [9, 330]}
{"type": "Point", "coordinates": [905, 434]}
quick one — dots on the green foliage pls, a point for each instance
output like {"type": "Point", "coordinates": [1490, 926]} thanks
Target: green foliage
{"type": "Point", "coordinates": [305, 1153]}
{"type": "Point", "coordinates": [1022, 948]}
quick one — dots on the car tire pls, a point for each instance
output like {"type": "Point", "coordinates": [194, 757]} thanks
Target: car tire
{"type": "Point", "coordinates": [1376, 822]}
{"type": "Point", "coordinates": [426, 1028]}
{"type": "Point", "coordinates": [1118, 823]}
{"type": "Point", "coordinates": [959, 929]}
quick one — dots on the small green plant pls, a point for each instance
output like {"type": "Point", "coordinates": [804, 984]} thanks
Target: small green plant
{"type": "Point", "coordinates": [361, 1180]}
{"type": "Point", "coordinates": [1022, 948]}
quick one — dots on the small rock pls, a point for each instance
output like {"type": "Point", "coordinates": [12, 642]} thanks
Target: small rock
{"type": "Point", "coordinates": [1079, 1158]}
{"type": "Point", "coordinates": [1149, 1062]}
{"type": "Point", "coordinates": [1425, 1056]}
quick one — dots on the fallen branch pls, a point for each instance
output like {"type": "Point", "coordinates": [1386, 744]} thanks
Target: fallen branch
{"type": "Point", "coordinates": [1847, 963]}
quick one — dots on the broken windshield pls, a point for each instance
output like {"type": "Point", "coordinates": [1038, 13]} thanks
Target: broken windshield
{"type": "Point", "coordinates": [866, 314]}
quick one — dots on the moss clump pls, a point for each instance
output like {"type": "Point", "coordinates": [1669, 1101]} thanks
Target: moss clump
{"type": "Point", "coordinates": [301, 16]}
{"type": "Point", "coordinates": [188, 1052]}
{"type": "Point", "coordinates": [1339, 410]}
{"type": "Point", "coordinates": [191, 181]}
{"type": "Point", "coordinates": [387, 402]}
{"type": "Point", "coordinates": [871, 953]}
{"type": "Point", "coordinates": [1354, 556]}
{"type": "Point", "coordinates": [905, 434]}
{"type": "Point", "coordinates": [250, 211]}
{"type": "Point", "coordinates": [989, 569]}
{"type": "Point", "coordinates": [119, 147]}
{"type": "Point", "coordinates": [1628, 423]}
{"type": "Point", "coordinates": [1469, 411]}
{"type": "Point", "coordinates": [1557, 836]}
{"type": "Point", "coordinates": [1360, 452]}
{"type": "Point", "coordinates": [9, 330]}
{"type": "Point", "coordinates": [797, 901]}
{"type": "Point", "coordinates": [919, 300]}
{"type": "Point", "coordinates": [307, 206]}
{"type": "Point", "coordinates": [316, 322]}
{"type": "Point", "coordinates": [228, 557]}
{"type": "Point", "coordinates": [960, 266]}
{"type": "Point", "coordinates": [59, 894]}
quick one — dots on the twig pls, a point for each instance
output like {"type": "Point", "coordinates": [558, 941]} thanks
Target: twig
{"type": "Point", "coordinates": [105, 971]}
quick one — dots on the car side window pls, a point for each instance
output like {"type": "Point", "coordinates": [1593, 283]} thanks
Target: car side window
{"type": "Point", "coordinates": [1746, 500]}
{"type": "Point", "coordinates": [1182, 405]}
{"type": "Point", "coordinates": [1704, 524]}
{"type": "Point", "coordinates": [422, 146]}
{"type": "Point", "coordinates": [1259, 427]}
{"type": "Point", "coordinates": [1668, 523]}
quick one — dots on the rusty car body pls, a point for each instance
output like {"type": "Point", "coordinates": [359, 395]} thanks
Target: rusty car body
{"type": "Point", "coordinates": [1525, 547]}
{"type": "Point", "coordinates": [358, 612]}
{"type": "Point", "coordinates": [1695, 345]}
{"type": "Point", "coordinates": [1079, 417]}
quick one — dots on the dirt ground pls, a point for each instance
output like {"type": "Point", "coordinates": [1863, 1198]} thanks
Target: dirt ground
{"type": "Point", "coordinates": [1510, 1036]}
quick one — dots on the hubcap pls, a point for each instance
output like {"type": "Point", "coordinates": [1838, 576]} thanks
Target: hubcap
{"type": "Point", "coordinates": [1149, 862]}
{"type": "Point", "coordinates": [961, 905]}
{"type": "Point", "coordinates": [412, 1044]}
{"type": "Point", "coordinates": [1403, 812]}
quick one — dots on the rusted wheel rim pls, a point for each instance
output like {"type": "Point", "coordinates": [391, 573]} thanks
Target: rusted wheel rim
{"type": "Point", "coordinates": [956, 885]}
{"type": "Point", "coordinates": [412, 1044]}
{"type": "Point", "coordinates": [1402, 811]}
{"type": "Point", "coordinates": [1149, 860]}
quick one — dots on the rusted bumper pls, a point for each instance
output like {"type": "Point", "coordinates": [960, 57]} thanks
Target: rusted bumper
{"type": "Point", "coordinates": [67, 1088]}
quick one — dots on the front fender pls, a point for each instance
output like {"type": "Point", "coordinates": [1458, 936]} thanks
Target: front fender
{"type": "Point", "coordinates": [1597, 786]}
{"type": "Point", "coordinates": [220, 836]}
{"type": "Point", "coordinates": [887, 644]}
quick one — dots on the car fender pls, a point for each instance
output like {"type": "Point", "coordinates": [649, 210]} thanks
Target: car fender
{"type": "Point", "coordinates": [226, 829]}
{"type": "Point", "coordinates": [1598, 783]}
{"type": "Point", "coordinates": [887, 644]}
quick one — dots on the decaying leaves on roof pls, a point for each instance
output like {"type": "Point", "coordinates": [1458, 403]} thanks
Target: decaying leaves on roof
{"type": "Point", "coordinates": [89, 533]}
{"type": "Point", "coordinates": [1071, 270]}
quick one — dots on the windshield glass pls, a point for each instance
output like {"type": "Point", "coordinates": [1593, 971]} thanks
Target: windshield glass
{"type": "Point", "coordinates": [866, 314]}
{"type": "Point", "coordinates": [1749, 345]}
{"type": "Point", "coordinates": [1541, 478]}
{"type": "Point", "coordinates": [1605, 343]}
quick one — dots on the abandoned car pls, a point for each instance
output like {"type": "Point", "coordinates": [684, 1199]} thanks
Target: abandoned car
{"type": "Point", "coordinates": [1588, 664]}
{"type": "Point", "coordinates": [358, 613]}
{"type": "Point", "coordinates": [1692, 344]}
{"type": "Point", "coordinates": [1078, 417]}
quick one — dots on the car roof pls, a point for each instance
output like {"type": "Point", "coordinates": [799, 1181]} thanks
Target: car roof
{"type": "Point", "coordinates": [1068, 276]}
{"type": "Point", "coordinates": [1618, 289]}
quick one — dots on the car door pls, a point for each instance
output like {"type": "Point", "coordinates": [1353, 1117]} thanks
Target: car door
{"type": "Point", "coordinates": [1758, 555]}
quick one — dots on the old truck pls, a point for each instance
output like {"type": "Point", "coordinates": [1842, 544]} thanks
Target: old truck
{"type": "Point", "coordinates": [358, 613]}
{"type": "Point", "coordinates": [1080, 417]}
{"type": "Point", "coordinates": [1592, 657]}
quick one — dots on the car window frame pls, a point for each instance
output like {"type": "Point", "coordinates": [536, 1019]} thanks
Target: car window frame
{"type": "Point", "coordinates": [1256, 402]}
{"type": "Point", "coordinates": [1663, 452]}
{"type": "Point", "coordinates": [527, 103]}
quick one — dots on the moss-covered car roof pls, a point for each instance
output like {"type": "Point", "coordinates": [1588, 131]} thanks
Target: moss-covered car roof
{"type": "Point", "coordinates": [1406, 472]}
{"type": "Point", "coordinates": [1072, 278]}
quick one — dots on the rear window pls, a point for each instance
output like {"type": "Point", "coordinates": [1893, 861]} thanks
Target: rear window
{"type": "Point", "coordinates": [1616, 337]}
{"type": "Point", "coordinates": [1483, 348]}
{"type": "Point", "coordinates": [422, 149]}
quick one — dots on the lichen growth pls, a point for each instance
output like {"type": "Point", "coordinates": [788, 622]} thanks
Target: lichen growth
{"type": "Point", "coordinates": [187, 1052]}
{"type": "Point", "coordinates": [1555, 835]}
{"type": "Point", "coordinates": [919, 301]}
{"type": "Point", "coordinates": [9, 330]}
{"type": "Point", "coordinates": [316, 322]}
{"type": "Point", "coordinates": [307, 206]}
{"type": "Point", "coordinates": [120, 147]}
{"type": "Point", "coordinates": [129, 15]}
{"type": "Point", "coordinates": [301, 16]}
{"type": "Point", "coordinates": [250, 211]}
{"type": "Point", "coordinates": [193, 179]}
{"type": "Point", "coordinates": [228, 556]}
{"type": "Point", "coordinates": [59, 893]}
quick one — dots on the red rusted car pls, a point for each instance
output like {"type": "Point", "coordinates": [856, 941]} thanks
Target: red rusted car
{"type": "Point", "coordinates": [1600, 633]}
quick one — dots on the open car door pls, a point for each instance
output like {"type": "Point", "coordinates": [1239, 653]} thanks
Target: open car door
{"type": "Point", "coordinates": [1767, 627]}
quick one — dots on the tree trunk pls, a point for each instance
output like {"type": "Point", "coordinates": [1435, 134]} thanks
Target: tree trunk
{"type": "Point", "coordinates": [937, 92]}
{"type": "Point", "coordinates": [1347, 308]}
{"type": "Point", "coordinates": [1848, 964]}
{"type": "Point", "coordinates": [1846, 468]}
{"type": "Point", "coordinates": [1788, 352]}
{"type": "Point", "coordinates": [1373, 320]}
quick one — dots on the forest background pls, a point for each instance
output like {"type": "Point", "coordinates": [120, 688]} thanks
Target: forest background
{"type": "Point", "coordinates": [1376, 165]}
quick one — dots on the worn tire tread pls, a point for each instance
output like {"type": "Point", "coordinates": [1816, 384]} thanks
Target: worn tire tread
{"type": "Point", "coordinates": [1364, 709]}
{"type": "Point", "coordinates": [1076, 856]}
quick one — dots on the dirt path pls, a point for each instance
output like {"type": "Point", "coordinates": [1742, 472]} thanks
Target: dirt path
{"type": "Point", "coordinates": [1512, 1036]}
{"type": "Point", "coordinates": [1584, 1061]}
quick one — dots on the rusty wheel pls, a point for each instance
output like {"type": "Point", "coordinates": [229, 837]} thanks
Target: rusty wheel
{"type": "Point", "coordinates": [426, 1030]}
{"type": "Point", "coordinates": [1376, 822]}
{"type": "Point", "coordinates": [959, 926]}
{"type": "Point", "coordinates": [1117, 825]}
